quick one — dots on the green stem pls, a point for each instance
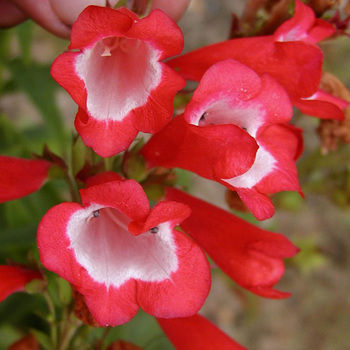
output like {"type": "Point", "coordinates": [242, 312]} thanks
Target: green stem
{"type": "Point", "coordinates": [73, 189]}
{"type": "Point", "coordinates": [103, 338]}
{"type": "Point", "coordinates": [53, 324]}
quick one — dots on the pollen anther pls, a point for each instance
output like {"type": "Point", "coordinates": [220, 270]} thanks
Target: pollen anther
{"type": "Point", "coordinates": [154, 230]}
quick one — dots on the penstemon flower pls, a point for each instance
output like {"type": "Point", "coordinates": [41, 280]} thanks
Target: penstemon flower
{"type": "Point", "coordinates": [231, 93]}
{"type": "Point", "coordinates": [117, 77]}
{"type": "Point", "coordinates": [251, 256]}
{"type": "Point", "coordinates": [120, 255]}
{"type": "Point", "coordinates": [290, 55]}
{"type": "Point", "coordinates": [129, 239]}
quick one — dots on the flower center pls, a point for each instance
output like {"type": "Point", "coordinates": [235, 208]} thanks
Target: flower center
{"type": "Point", "coordinates": [112, 255]}
{"type": "Point", "coordinates": [218, 113]}
{"type": "Point", "coordinates": [119, 75]}
{"type": "Point", "coordinates": [112, 43]}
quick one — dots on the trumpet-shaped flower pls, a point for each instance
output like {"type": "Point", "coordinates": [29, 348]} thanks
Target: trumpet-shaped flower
{"type": "Point", "coordinates": [304, 26]}
{"type": "Point", "coordinates": [120, 255]}
{"type": "Point", "coordinates": [290, 55]}
{"type": "Point", "coordinates": [20, 177]}
{"type": "Point", "coordinates": [231, 93]}
{"type": "Point", "coordinates": [116, 76]}
{"type": "Point", "coordinates": [251, 256]}
{"type": "Point", "coordinates": [196, 332]}
{"type": "Point", "coordinates": [14, 279]}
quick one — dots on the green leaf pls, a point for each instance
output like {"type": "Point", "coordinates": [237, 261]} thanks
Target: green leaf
{"type": "Point", "coordinates": [35, 80]}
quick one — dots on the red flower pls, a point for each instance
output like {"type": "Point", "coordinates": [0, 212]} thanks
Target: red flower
{"type": "Point", "coordinates": [196, 332]}
{"type": "Point", "coordinates": [14, 279]}
{"type": "Point", "coordinates": [304, 26]}
{"type": "Point", "coordinates": [21, 177]}
{"type": "Point", "coordinates": [121, 255]}
{"type": "Point", "coordinates": [251, 256]}
{"type": "Point", "coordinates": [231, 93]}
{"type": "Point", "coordinates": [290, 56]}
{"type": "Point", "coordinates": [117, 77]}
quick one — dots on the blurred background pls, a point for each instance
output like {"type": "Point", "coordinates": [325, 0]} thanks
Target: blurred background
{"type": "Point", "coordinates": [317, 316]}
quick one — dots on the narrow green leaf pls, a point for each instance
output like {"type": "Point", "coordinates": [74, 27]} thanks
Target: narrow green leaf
{"type": "Point", "coordinates": [42, 338]}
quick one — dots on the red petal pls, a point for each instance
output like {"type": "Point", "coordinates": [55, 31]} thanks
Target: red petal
{"type": "Point", "coordinates": [232, 93]}
{"type": "Point", "coordinates": [102, 178]}
{"type": "Point", "coordinates": [186, 289]}
{"type": "Point", "coordinates": [196, 332]}
{"type": "Point", "coordinates": [111, 306]}
{"type": "Point", "coordinates": [63, 71]}
{"type": "Point", "coordinates": [215, 151]}
{"type": "Point", "coordinates": [96, 23]}
{"type": "Point", "coordinates": [108, 137]}
{"type": "Point", "coordinates": [284, 176]}
{"type": "Point", "coordinates": [21, 177]}
{"type": "Point", "coordinates": [297, 66]}
{"type": "Point", "coordinates": [236, 246]}
{"type": "Point", "coordinates": [258, 203]}
{"type": "Point", "coordinates": [304, 26]}
{"type": "Point", "coordinates": [322, 105]}
{"type": "Point", "coordinates": [14, 279]}
{"type": "Point", "coordinates": [125, 196]}
{"type": "Point", "coordinates": [158, 110]}
{"type": "Point", "coordinates": [167, 211]}
{"type": "Point", "coordinates": [160, 31]}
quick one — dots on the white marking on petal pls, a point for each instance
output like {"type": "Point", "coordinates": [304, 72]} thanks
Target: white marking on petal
{"type": "Point", "coordinates": [247, 116]}
{"type": "Point", "coordinates": [264, 164]}
{"type": "Point", "coordinates": [104, 247]}
{"type": "Point", "coordinates": [119, 75]}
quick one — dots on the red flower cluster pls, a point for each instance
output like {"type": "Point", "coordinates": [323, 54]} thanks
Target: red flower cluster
{"type": "Point", "coordinates": [113, 248]}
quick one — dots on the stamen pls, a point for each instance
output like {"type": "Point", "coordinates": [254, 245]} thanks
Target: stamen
{"type": "Point", "coordinates": [109, 44]}
{"type": "Point", "coordinates": [154, 230]}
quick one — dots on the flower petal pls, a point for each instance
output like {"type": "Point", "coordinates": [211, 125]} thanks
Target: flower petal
{"type": "Point", "coordinates": [322, 105]}
{"type": "Point", "coordinates": [231, 93]}
{"type": "Point", "coordinates": [13, 279]}
{"type": "Point", "coordinates": [304, 26]}
{"type": "Point", "coordinates": [215, 151]}
{"type": "Point", "coordinates": [237, 247]}
{"type": "Point", "coordinates": [196, 332]}
{"type": "Point", "coordinates": [107, 137]}
{"type": "Point", "coordinates": [297, 66]}
{"type": "Point", "coordinates": [160, 30]}
{"type": "Point", "coordinates": [97, 22]}
{"type": "Point", "coordinates": [20, 177]}
{"type": "Point", "coordinates": [274, 170]}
